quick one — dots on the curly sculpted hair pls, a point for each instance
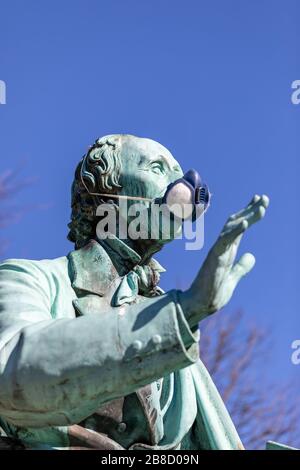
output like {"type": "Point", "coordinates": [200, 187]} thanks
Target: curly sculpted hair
{"type": "Point", "coordinates": [98, 172]}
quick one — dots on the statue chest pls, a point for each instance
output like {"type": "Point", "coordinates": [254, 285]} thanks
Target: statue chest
{"type": "Point", "coordinates": [130, 421]}
{"type": "Point", "coordinates": [93, 304]}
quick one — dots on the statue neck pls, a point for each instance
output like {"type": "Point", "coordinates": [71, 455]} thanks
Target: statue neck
{"type": "Point", "coordinates": [145, 248]}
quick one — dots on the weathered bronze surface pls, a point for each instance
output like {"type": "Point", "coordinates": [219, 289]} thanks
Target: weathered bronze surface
{"type": "Point", "coordinates": [93, 354]}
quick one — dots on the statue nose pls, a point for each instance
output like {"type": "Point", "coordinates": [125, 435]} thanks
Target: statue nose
{"type": "Point", "coordinates": [193, 177]}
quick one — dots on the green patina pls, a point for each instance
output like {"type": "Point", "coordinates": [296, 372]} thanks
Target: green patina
{"type": "Point", "coordinates": [91, 349]}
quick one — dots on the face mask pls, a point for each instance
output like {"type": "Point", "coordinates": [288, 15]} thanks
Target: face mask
{"type": "Point", "coordinates": [186, 198]}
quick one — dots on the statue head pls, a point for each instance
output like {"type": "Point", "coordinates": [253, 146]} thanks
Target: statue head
{"type": "Point", "coordinates": [117, 165]}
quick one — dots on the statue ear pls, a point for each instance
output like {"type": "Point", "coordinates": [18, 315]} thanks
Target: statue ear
{"type": "Point", "coordinates": [101, 166]}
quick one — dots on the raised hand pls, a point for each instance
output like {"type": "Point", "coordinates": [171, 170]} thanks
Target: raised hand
{"type": "Point", "coordinates": [220, 274]}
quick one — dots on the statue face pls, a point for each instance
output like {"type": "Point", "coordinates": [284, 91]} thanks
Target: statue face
{"type": "Point", "coordinates": [133, 173]}
{"type": "Point", "coordinates": [147, 169]}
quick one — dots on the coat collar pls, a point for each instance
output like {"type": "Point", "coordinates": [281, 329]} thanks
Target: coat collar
{"type": "Point", "coordinates": [97, 264]}
{"type": "Point", "coordinates": [123, 257]}
{"type": "Point", "coordinates": [91, 269]}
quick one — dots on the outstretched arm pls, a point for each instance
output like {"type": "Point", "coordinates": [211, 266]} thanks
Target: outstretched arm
{"type": "Point", "coordinates": [59, 371]}
{"type": "Point", "coordinates": [220, 274]}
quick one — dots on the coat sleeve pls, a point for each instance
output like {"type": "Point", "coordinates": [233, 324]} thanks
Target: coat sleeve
{"type": "Point", "coordinates": [56, 372]}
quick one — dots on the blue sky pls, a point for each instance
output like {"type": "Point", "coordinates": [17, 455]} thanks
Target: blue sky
{"type": "Point", "coordinates": [211, 80]}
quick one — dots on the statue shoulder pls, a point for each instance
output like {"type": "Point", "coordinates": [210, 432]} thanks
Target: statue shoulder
{"type": "Point", "coordinates": [39, 275]}
{"type": "Point", "coordinates": [35, 267]}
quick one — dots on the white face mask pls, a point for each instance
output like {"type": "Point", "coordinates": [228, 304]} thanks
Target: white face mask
{"type": "Point", "coordinates": [186, 198]}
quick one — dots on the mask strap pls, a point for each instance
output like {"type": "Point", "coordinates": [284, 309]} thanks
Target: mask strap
{"type": "Point", "coordinates": [120, 196]}
{"type": "Point", "coordinates": [116, 196]}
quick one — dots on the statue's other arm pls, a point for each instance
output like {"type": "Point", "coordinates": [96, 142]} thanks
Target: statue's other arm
{"type": "Point", "coordinates": [58, 371]}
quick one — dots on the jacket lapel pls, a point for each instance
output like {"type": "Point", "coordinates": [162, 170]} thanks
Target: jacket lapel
{"type": "Point", "coordinates": [91, 269]}
{"type": "Point", "coordinates": [91, 273]}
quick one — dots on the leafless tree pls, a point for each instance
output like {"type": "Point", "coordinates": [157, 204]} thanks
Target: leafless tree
{"type": "Point", "coordinates": [10, 185]}
{"type": "Point", "coordinates": [236, 354]}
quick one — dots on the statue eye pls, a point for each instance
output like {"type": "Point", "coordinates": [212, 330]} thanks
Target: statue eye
{"type": "Point", "coordinates": [158, 167]}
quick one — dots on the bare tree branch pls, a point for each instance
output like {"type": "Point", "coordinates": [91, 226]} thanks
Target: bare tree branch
{"type": "Point", "coordinates": [235, 354]}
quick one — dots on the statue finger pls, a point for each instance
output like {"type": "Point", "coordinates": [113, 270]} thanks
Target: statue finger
{"type": "Point", "coordinates": [253, 213]}
{"type": "Point", "coordinates": [256, 215]}
{"type": "Point", "coordinates": [242, 267]}
{"type": "Point", "coordinates": [255, 202]}
{"type": "Point", "coordinates": [243, 211]}
{"type": "Point", "coordinates": [232, 232]}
